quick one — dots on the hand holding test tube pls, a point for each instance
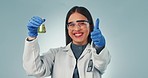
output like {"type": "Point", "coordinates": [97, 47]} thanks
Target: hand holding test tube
{"type": "Point", "coordinates": [36, 26]}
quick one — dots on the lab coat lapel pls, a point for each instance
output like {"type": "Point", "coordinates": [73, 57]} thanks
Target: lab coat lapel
{"type": "Point", "coordinates": [86, 50]}
{"type": "Point", "coordinates": [68, 50]}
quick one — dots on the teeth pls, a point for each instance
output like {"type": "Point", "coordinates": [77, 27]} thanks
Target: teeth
{"type": "Point", "coordinates": [78, 34]}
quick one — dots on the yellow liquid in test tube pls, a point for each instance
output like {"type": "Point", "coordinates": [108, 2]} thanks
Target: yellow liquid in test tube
{"type": "Point", "coordinates": [42, 29]}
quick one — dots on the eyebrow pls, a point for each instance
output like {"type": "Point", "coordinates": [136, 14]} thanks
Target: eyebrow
{"type": "Point", "coordinates": [82, 21]}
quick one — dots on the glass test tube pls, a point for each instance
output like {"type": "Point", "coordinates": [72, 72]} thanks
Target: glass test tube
{"type": "Point", "coordinates": [42, 29]}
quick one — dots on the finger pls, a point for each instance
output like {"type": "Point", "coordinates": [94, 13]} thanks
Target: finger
{"type": "Point", "coordinates": [97, 43]}
{"type": "Point", "coordinates": [96, 32]}
{"type": "Point", "coordinates": [97, 24]}
{"type": "Point", "coordinates": [96, 40]}
{"type": "Point", "coordinates": [38, 19]}
{"type": "Point", "coordinates": [96, 37]}
{"type": "Point", "coordinates": [33, 23]}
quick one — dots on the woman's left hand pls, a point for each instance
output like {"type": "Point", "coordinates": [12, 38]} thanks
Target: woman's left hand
{"type": "Point", "coordinates": [96, 35]}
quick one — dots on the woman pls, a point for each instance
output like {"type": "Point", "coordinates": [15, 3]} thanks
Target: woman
{"type": "Point", "coordinates": [84, 56]}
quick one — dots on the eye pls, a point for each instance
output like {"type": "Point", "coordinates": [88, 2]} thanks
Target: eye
{"type": "Point", "coordinates": [71, 24]}
{"type": "Point", "coordinates": [82, 23]}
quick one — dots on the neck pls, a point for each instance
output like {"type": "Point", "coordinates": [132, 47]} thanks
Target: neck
{"type": "Point", "coordinates": [79, 44]}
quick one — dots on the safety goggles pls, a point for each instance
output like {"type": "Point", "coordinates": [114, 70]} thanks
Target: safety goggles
{"type": "Point", "coordinates": [78, 23]}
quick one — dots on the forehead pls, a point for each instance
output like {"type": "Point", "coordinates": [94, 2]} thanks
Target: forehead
{"type": "Point", "coordinates": [76, 16]}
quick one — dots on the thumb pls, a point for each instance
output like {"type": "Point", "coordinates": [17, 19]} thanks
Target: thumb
{"type": "Point", "coordinates": [96, 24]}
{"type": "Point", "coordinates": [44, 20]}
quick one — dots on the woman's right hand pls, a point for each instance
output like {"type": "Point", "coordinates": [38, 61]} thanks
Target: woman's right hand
{"type": "Point", "coordinates": [33, 25]}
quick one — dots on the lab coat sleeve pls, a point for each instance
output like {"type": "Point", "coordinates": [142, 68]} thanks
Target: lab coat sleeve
{"type": "Point", "coordinates": [101, 60]}
{"type": "Point", "coordinates": [33, 63]}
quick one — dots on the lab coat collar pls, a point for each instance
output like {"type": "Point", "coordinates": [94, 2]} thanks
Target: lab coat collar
{"type": "Point", "coordinates": [69, 50]}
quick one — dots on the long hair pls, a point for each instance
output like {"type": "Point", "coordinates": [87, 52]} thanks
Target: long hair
{"type": "Point", "coordinates": [83, 11]}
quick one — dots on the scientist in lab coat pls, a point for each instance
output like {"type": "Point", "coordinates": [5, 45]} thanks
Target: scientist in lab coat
{"type": "Point", "coordinates": [84, 56]}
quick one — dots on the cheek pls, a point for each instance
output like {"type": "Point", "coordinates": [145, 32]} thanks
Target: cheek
{"type": "Point", "coordinates": [70, 33]}
{"type": "Point", "coordinates": [87, 32]}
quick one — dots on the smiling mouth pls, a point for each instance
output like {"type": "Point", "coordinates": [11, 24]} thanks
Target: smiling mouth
{"type": "Point", "coordinates": [77, 35]}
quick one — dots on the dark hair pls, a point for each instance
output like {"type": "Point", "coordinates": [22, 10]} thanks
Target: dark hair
{"type": "Point", "coordinates": [83, 11]}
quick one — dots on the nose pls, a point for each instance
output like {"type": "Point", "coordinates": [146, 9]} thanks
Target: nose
{"type": "Point", "coordinates": [77, 27]}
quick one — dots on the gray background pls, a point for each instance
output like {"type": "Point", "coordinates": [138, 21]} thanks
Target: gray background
{"type": "Point", "coordinates": [124, 24]}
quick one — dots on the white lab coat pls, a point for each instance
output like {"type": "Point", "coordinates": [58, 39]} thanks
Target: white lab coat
{"type": "Point", "coordinates": [60, 62]}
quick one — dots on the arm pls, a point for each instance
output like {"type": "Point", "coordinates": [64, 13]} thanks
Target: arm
{"type": "Point", "coordinates": [101, 55]}
{"type": "Point", "coordinates": [33, 63]}
{"type": "Point", "coordinates": [101, 60]}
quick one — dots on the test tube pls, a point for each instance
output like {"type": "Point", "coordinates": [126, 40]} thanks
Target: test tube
{"type": "Point", "coordinates": [42, 29]}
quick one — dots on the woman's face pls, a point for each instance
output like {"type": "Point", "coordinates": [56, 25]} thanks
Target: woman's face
{"type": "Point", "coordinates": [78, 28]}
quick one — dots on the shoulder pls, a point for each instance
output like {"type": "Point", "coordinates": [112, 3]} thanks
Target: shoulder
{"type": "Point", "coordinates": [56, 49]}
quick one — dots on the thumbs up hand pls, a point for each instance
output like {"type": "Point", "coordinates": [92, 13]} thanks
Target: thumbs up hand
{"type": "Point", "coordinates": [97, 36]}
